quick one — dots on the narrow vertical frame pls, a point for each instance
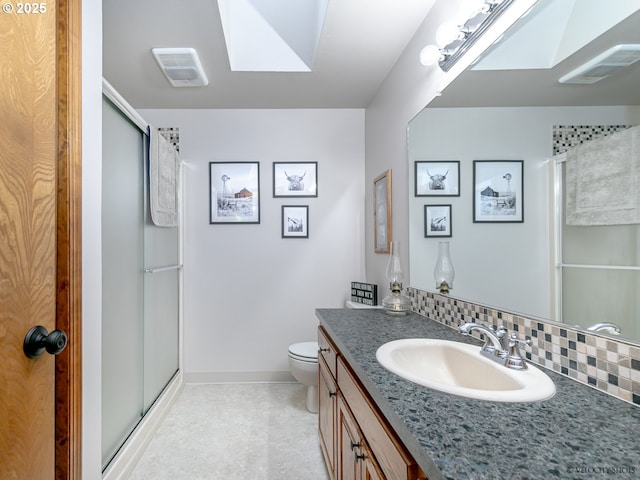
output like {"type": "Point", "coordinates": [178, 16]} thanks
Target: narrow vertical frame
{"type": "Point", "coordinates": [382, 216]}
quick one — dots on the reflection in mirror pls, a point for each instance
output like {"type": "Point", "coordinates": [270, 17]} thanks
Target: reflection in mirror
{"type": "Point", "coordinates": [511, 106]}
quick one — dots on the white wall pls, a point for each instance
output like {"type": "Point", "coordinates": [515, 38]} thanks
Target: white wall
{"type": "Point", "coordinates": [517, 256]}
{"type": "Point", "coordinates": [248, 292]}
{"type": "Point", "coordinates": [91, 239]}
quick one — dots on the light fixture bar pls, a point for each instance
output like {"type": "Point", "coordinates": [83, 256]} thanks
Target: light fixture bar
{"type": "Point", "coordinates": [497, 10]}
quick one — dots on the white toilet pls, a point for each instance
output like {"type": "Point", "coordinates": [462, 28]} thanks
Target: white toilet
{"type": "Point", "coordinates": [303, 364]}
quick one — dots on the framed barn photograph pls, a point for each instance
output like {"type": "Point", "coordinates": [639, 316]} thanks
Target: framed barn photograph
{"type": "Point", "coordinates": [498, 195]}
{"type": "Point", "coordinates": [234, 192]}
{"type": "Point", "coordinates": [437, 179]}
{"type": "Point", "coordinates": [295, 179]}
{"type": "Point", "coordinates": [382, 212]}
{"type": "Point", "coordinates": [437, 221]}
{"type": "Point", "coordinates": [295, 221]}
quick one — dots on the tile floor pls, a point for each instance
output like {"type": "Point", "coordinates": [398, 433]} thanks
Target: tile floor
{"type": "Point", "coordinates": [236, 432]}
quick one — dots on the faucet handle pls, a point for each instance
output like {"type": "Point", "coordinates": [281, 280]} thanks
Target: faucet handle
{"type": "Point", "coordinates": [514, 358]}
{"type": "Point", "coordinates": [501, 334]}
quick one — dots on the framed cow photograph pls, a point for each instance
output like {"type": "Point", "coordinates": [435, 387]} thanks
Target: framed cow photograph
{"type": "Point", "coordinates": [295, 179]}
{"type": "Point", "coordinates": [437, 179]}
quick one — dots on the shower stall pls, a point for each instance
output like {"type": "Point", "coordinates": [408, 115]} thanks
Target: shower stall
{"type": "Point", "coordinates": [141, 281]}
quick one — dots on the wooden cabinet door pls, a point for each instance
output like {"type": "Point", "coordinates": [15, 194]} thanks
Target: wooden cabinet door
{"type": "Point", "coordinates": [370, 469]}
{"type": "Point", "coordinates": [327, 395]}
{"type": "Point", "coordinates": [349, 443]}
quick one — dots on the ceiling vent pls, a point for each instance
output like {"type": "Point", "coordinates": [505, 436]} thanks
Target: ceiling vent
{"type": "Point", "coordinates": [181, 66]}
{"type": "Point", "coordinates": [607, 63]}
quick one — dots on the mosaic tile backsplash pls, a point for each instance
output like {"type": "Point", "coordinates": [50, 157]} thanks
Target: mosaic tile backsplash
{"type": "Point", "coordinates": [605, 363]}
{"type": "Point", "coordinates": [566, 137]}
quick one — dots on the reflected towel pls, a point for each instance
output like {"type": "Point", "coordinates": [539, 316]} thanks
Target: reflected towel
{"type": "Point", "coordinates": [163, 180]}
{"type": "Point", "coordinates": [603, 180]}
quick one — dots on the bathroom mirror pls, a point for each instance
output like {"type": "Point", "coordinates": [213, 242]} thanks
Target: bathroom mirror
{"type": "Point", "coordinates": [510, 105]}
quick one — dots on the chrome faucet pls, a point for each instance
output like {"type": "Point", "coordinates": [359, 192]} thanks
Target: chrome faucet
{"type": "Point", "coordinates": [608, 327]}
{"type": "Point", "coordinates": [499, 346]}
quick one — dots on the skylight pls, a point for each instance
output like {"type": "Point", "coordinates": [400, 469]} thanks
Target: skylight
{"type": "Point", "coordinates": [272, 35]}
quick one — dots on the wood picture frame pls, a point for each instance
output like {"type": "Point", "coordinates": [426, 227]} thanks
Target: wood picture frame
{"type": "Point", "coordinates": [382, 216]}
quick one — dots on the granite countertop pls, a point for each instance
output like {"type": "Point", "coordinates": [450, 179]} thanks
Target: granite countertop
{"type": "Point", "coordinates": [580, 433]}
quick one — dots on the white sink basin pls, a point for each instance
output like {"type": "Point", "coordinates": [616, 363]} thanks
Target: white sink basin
{"type": "Point", "coordinates": [458, 368]}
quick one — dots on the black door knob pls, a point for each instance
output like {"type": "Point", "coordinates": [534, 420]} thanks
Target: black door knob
{"type": "Point", "coordinates": [38, 340]}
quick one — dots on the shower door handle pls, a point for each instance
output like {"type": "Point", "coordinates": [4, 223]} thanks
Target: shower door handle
{"type": "Point", "coordinates": [38, 340]}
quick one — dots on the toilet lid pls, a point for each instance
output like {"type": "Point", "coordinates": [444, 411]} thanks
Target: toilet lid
{"type": "Point", "coordinates": [305, 350]}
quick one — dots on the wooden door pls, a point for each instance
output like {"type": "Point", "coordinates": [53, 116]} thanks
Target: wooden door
{"type": "Point", "coordinates": [39, 237]}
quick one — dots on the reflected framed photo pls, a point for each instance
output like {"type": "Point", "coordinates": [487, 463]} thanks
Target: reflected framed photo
{"type": "Point", "coordinates": [295, 221]}
{"type": "Point", "coordinates": [437, 179]}
{"type": "Point", "coordinates": [382, 212]}
{"type": "Point", "coordinates": [234, 192]}
{"type": "Point", "coordinates": [498, 191]}
{"type": "Point", "coordinates": [295, 179]}
{"type": "Point", "coordinates": [437, 221]}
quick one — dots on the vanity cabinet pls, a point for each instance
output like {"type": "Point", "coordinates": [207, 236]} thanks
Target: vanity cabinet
{"type": "Point", "coordinates": [357, 442]}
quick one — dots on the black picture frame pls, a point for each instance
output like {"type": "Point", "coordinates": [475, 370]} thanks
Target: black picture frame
{"type": "Point", "coordinates": [295, 179]}
{"type": "Point", "coordinates": [438, 221]}
{"type": "Point", "coordinates": [498, 191]}
{"type": "Point", "coordinates": [437, 178]}
{"type": "Point", "coordinates": [295, 221]}
{"type": "Point", "coordinates": [234, 193]}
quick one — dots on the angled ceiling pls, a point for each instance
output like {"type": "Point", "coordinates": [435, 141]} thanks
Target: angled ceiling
{"type": "Point", "coordinates": [358, 44]}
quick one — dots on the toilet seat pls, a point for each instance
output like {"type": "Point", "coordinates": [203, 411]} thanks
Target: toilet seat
{"type": "Point", "coordinates": [304, 352]}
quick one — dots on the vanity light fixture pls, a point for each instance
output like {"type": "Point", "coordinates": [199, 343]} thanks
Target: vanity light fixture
{"type": "Point", "coordinates": [454, 38]}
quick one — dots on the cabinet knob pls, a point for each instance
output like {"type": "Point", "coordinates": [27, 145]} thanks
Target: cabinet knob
{"type": "Point", "coordinates": [322, 350]}
{"type": "Point", "coordinates": [332, 394]}
{"type": "Point", "coordinates": [354, 445]}
{"type": "Point", "coordinates": [359, 457]}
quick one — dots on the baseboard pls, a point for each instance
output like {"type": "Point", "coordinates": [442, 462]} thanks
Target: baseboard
{"type": "Point", "coordinates": [238, 377]}
{"type": "Point", "coordinates": [130, 453]}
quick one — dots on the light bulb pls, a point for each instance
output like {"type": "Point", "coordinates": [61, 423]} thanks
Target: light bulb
{"type": "Point", "coordinates": [448, 32]}
{"type": "Point", "coordinates": [430, 55]}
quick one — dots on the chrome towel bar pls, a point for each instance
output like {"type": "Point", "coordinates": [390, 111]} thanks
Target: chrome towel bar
{"type": "Point", "coordinates": [162, 269]}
